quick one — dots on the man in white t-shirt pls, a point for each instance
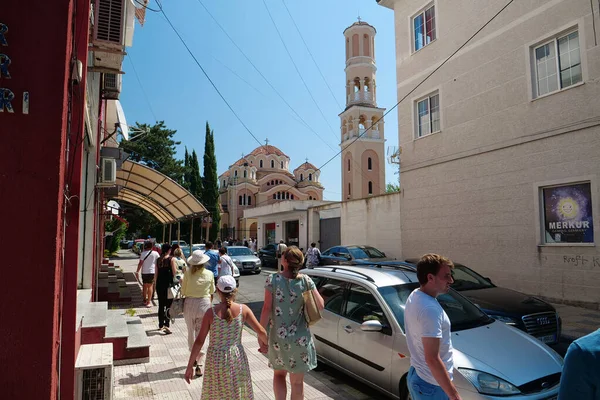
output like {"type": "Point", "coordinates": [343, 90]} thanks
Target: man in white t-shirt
{"type": "Point", "coordinates": [147, 265]}
{"type": "Point", "coordinates": [225, 263]}
{"type": "Point", "coordinates": [428, 333]}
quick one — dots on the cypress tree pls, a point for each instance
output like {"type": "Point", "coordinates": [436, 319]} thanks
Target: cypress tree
{"type": "Point", "coordinates": [210, 197]}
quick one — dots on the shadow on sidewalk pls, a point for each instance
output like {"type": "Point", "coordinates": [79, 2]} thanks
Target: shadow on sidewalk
{"type": "Point", "coordinates": [177, 372]}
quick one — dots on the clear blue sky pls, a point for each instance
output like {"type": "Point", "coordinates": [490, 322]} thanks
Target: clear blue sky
{"type": "Point", "coordinates": [178, 93]}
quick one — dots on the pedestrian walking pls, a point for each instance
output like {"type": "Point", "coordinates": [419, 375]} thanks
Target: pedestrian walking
{"type": "Point", "coordinates": [227, 374]}
{"type": "Point", "coordinates": [290, 348]}
{"type": "Point", "coordinates": [581, 373]}
{"type": "Point", "coordinates": [197, 287]}
{"type": "Point", "coordinates": [280, 249]}
{"type": "Point", "coordinates": [225, 263]}
{"type": "Point", "coordinates": [180, 264]}
{"type": "Point", "coordinates": [428, 332]}
{"type": "Point", "coordinates": [313, 256]}
{"type": "Point", "coordinates": [147, 265]}
{"type": "Point", "coordinates": [165, 272]}
{"type": "Point", "coordinates": [213, 263]}
{"type": "Point", "coordinates": [253, 245]}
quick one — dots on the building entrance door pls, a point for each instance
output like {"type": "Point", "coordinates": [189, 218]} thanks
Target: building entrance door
{"type": "Point", "coordinates": [269, 233]}
{"type": "Point", "coordinates": [329, 232]}
{"type": "Point", "coordinates": [292, 233]}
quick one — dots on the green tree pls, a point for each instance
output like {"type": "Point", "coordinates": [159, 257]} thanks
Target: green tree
{"type": "Point", "coordinates": [210, 194]}
{"type": "Point", "coordinates": [186, 169]}
{"type": "Point", "coordinates": [156, 149]}
{"type": "Point", "coordinates": [392, 188]}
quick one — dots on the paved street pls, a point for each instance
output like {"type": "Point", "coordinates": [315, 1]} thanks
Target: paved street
{"type": "Point", "coordinates": [162, 377]}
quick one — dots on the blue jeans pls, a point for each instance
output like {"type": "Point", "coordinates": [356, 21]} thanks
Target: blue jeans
{"type": "Point", "coordinates": [422, 390]}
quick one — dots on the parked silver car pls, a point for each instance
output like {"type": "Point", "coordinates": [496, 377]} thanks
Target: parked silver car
{"type": "Point", "coordinates": [244, 259]}
{"type": "Point", "coordinates": [362, 334]}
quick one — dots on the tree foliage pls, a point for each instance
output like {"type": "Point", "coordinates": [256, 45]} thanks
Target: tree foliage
{"type": "Point", "coordinates": [156, 149]}
{"type": "Point", "coordinates": [392, 188]}
{"type": "Point", "coordinates": [210, 194]}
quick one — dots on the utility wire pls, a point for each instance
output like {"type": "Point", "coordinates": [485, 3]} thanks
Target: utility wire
{"type": "Point", "coordinates": [146, 6]}
{"type": "Point", "coordinates": [292, 109]}
{"type": "Point", "coordinates": [208, 77]}
{"type": "Point", "coordinates": [311, 55]}
{"type": "Point", "coordinates": [142, 87]}
{"type": "Point", "coordinates": [412, 90]}
{"type": "Point", "coordinates": [298, 70]}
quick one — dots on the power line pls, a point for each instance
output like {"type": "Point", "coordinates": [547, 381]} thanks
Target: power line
{"type": "Point", "coordinates": [146, 6]}
{"type": "Point", "coordinates": [207, 76]}
{"type": "Point", "coordinates": [412, 90]}
{"type": "Point", "coordinates": [311, 55]}
{"type": "Point", "coordinates": [360, 168]}
{"type": "Point", "coordinates": [298, 70]}
{"type": "Point", "coordinates": [142, 87]}
{"type": "Point", "coordinates": [261, 74]}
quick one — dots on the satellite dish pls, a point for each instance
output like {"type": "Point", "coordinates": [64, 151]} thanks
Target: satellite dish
{"type": "Point", "coordinates": [113, 207]}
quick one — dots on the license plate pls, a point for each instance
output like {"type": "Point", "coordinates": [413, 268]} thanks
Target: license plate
{"type": "Point", "coordinates": [547, 339]}
{"type": "Point", "coordinates": [248, 265]}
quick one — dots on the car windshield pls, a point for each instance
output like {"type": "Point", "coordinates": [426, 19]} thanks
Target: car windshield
{"type": "Point", "coordinates": [365, 252]}
{"type": "Point", "coordinates": [462, 313]}
{"type": "Point", "coordinates": [467, 279]}
{"type": "Point", "coordinates": [185, 250]}
{"type": "Point", "coordinates": [239, 251]}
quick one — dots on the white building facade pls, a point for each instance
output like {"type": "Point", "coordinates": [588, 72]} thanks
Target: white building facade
{"type": "Point", "coordinates": [500, 164]}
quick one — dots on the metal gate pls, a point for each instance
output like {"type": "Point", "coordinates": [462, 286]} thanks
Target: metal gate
{"type": "Point", "coordinates": [329, 231]}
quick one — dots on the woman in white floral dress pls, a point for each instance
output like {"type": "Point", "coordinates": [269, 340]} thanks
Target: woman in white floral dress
{"type": "Point", "coordinates": [290, 348]}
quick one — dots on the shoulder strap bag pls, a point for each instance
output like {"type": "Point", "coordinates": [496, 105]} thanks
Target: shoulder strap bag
{"type": "Point", "coordinates": [312, 314]}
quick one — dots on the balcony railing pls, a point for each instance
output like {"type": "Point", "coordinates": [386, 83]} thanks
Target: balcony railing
{"type": "Point", "coordinates": [366, 134]}
{"type": "Point", "coordinates": [360, 97]}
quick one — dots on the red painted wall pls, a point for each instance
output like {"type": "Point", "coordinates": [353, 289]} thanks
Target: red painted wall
{"type": "Point", "coordinates": [31, 194]}
{"type": "Point", "coordinates": [70, 347]}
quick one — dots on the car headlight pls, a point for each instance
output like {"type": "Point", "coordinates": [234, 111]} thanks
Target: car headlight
{"type": "Point", "coordinates": [236, 271]}
{"type": "Point", "coordinates": [488, 384]}
{"type": "Point", "coordinates": [505, 319]}
{"type": "Point", "coordinates": [236, 261]}
{"type": "Point", "coordinates": [258, 262]}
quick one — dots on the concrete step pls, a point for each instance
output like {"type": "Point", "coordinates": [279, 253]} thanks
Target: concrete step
{"type": "Point", "coordinates": [93, 325]}
{"type": "Point", "coordinates": [116, 324]}
{"type": "Point", "coordinates": [84, 297]}
{"type": "Point", "coordinates": [97, 355]}
{"type": "Point", "coordinates": [138, 346]}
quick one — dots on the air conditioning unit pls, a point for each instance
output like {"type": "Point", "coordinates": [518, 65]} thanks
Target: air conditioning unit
{"type": "Point", "coordinates": [110, 23]}
{"type": "Point", "coordinates": [108, 172]}
{"type": "Point", "coordinates": [94, 372]}
{"type": "Point", "coordinates": [111, 86]}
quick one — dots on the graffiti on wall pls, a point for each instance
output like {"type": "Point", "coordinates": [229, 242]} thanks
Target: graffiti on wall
{"type": "Point", "coordinates": [582, 261]}
{"type": "Point", "coordinates": [7, 96]}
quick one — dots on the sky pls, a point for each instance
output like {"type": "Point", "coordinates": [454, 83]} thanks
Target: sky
{"type": "Point", "coordinates": [163, 82]}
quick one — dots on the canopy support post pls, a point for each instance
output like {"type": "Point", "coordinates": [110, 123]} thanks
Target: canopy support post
{"type": "Point", "coordinates": [178, 232]}
{"type": "Point", "coordinates": [164, 227]}
{"type": "Point", "coordinates": [191, 234]}
{"type": "Point", "coordinates": [170, 226]}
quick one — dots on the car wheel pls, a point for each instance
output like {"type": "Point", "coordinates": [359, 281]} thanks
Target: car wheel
{"type": "Point", "coordinates": [404, 393]}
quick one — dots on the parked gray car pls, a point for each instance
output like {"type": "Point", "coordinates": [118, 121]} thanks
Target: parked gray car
{"type": "Point", "coordinates": [362, 334]}
{"type": "Point", "coordinates": [244, 259]}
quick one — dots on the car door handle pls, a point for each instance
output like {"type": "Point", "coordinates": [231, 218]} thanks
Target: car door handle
{"type": "Point", "coordinates": [348, 329]}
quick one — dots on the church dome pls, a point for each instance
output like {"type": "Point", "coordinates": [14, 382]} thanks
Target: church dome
{"type": "Point", "coordinates": [268, 149]}
{"type": "Point", "coordinates": [306, 166]}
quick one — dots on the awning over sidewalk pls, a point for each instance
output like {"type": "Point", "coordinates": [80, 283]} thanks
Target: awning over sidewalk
{"type": "Point", "coordinates": [156, 193]}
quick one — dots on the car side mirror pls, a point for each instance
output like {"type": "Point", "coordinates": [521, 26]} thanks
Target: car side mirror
{"type": "Point", "coordinates": [371, 326]}
{"type": "Point", "coordinates": [255, 253]}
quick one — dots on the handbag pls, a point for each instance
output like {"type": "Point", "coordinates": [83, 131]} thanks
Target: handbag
{"type": "Point", "coordinates": [176, 308]}
{"type": "Point", "coordinates": [312, 314]}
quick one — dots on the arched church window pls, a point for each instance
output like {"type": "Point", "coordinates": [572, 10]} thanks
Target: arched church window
{"type": "Point", "coordinates": [249, 200]}
{"type": "Point", "coordinates": [369, 164]}
{"type": "Point", "coordinates": [348, 165]}
{"type": "Point", "coordinates": [301, 177]}
{"type": "Point", "coordinates": [240, 199]}
{"type": "Point", "coordinates": [370, 187]}
{"type": "Point", "coordinates": [272, 164]}
{"type": "Point", "coordinates": [310, 177]}
{"type": "Point", "coordinates": [235, 173]}
{"type": "Point", "coordinates": [260, 163]}
{"type": "Point", "coordinates": [281, 163]}
{"type": "Point", "coordinates": [245, 174]}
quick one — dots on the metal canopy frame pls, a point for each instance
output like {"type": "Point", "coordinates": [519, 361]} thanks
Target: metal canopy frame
{"type": "Point", "coordinates": [156, 193]}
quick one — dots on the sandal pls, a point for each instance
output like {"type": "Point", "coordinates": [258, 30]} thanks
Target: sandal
{"type": "Point", "coordinates": [198, 371]}
{"type": "Point", "coordinates": [167, 331]}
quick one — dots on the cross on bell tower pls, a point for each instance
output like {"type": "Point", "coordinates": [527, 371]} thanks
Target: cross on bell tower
{"type": "Point", "coordinates": [266, 141]}
{"type": "Point", "coordinates": [362, 136]}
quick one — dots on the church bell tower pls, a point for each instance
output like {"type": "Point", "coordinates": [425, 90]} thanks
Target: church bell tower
{"type": "Point", "coordinates": [362, 136]}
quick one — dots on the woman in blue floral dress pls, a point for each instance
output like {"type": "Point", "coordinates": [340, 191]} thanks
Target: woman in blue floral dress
{"type": "Point", "coordinates": [290, 348]}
